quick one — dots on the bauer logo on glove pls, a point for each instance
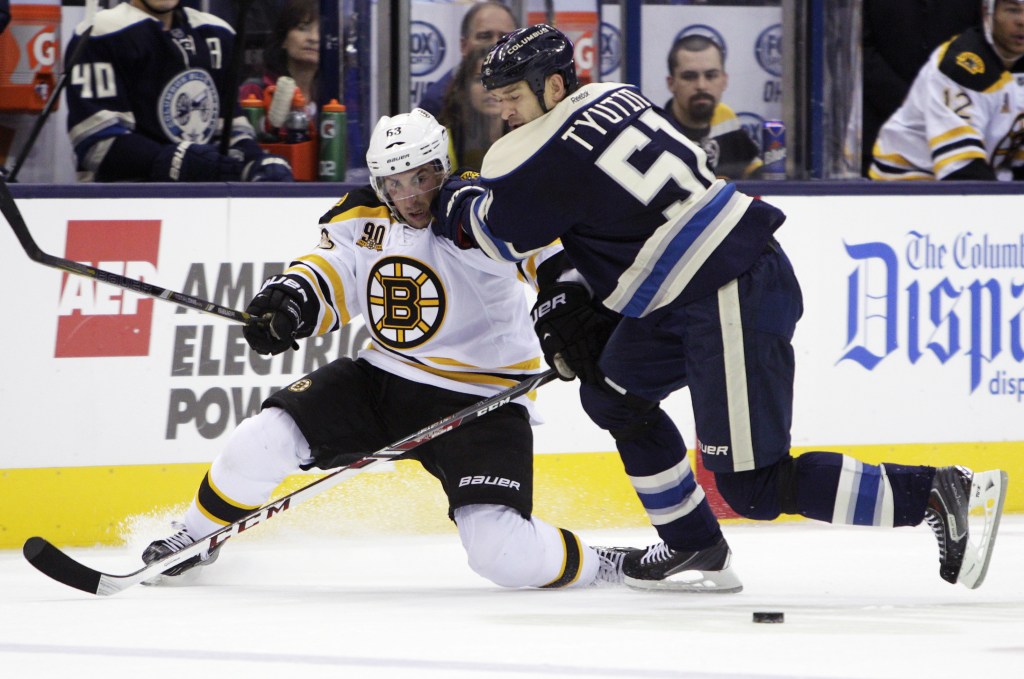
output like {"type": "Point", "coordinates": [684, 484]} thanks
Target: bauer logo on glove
{"type": "Point", "coordinates": [571, 331]}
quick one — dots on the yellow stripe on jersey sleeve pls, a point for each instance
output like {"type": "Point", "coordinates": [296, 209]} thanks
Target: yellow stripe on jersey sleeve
{"type": "Point", "coordinates": [335, 280]}
{"type": "Point", "coordinates": [964, 131]}
{"type": "Point", "coordinates": [327, 322]}
{"type": "Point", "coordinates": [309, 263]}
{"type": "Point", "coordinates": [965, 155]}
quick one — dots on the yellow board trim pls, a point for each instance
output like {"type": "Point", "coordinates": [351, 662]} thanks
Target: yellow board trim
{"type": "Point", "coordinates": [85, 506]}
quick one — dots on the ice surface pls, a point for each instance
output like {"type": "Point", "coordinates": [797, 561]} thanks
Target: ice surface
{"type": "Point", "coordinates": [859, 602]}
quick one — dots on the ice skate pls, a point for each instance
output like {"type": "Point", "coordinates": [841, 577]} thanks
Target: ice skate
{"type": "Point", "coordinates": [184, 572]}
{"type": "Point", "coordinates": [661, 567]}
{"type": "Point", "coordinates": [610, 570]}
{"type": "Point", "coordinates": [958, 494]}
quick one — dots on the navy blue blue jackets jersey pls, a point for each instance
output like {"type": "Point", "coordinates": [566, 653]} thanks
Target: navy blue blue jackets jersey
{"type": "Point", "coordinates": [134, 78]}
{"type": "Point", "coordinates": [638, 211]}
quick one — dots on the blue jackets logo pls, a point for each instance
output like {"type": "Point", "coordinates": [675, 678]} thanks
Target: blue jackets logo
{"type": "Point", "coordinates": [189, 107]}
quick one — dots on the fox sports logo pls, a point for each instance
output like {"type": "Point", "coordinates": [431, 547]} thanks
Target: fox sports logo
{"type": "Point", "coordinates": [426, 48]}
{"type": "Point", "coordinates": [708, 32]}
{"type": "Point", "coordinates": [768, 50]}
{"type": "Point", "coordinates": [189, 106]}
{"type": "Point", "coordinates": [611, 49]}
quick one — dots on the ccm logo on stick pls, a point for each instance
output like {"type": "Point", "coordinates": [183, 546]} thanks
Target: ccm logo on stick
{"type": "Point", "coordinates": [493, 406]}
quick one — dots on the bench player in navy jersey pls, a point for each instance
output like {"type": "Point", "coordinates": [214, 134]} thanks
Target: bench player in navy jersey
{"type": "Point", "coordinates": [704, 298]}
{"type": "Point", "coordinates": [144, 100]}
{"type": "Point", "coordinates": [446, 331]}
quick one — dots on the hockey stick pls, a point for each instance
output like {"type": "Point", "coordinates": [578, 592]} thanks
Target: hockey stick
{"type": "Point", "coordinates": [54, 563]}
{"type": "Point", "coordinates": [13, 216]}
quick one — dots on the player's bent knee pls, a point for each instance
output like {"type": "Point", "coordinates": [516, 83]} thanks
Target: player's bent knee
{"type": "Point", "coordinates": [268, 444]}
{"type": "Point", "coordinates": [624, 416]}
{"type": "Point", "coordinates": [500, 544]}
{"type": "Point", "coordinates": [759, 494]}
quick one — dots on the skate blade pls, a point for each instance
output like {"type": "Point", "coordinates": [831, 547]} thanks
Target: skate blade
{"type": "Point", "coordinates": [988, 494]}
{"type": "Point", "coordinates": [696, 582]}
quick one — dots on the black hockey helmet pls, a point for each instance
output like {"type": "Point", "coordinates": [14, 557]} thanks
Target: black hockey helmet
{"type": "Point", "coordinates": [531, 54]}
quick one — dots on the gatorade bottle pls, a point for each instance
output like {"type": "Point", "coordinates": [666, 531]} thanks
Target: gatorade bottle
{"type": "Point", "coordinates": [252, 107]}
{"type": "Point", "coordinates": [333, 126]}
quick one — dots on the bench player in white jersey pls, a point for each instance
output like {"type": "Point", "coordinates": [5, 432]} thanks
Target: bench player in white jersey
{"type": "Point", "coordinates": [964, 115]}
{"type": "Point", "coordinates": [708, 300]}
{"type": "Point", "coordinates": [447, 328]}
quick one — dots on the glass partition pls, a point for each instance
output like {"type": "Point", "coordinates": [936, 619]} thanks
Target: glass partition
{"type": "Point", "coordinates": [793, 61]}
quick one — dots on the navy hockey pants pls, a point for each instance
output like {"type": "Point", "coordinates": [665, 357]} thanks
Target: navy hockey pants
{"type": "Point", "coordinates": [733, 350]}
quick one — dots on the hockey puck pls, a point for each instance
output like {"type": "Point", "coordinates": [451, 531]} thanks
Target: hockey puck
{"type": "Point", "coordinates": [770, 617]}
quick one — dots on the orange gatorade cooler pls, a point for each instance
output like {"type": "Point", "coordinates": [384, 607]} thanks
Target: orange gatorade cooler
{"type": "Point", "coordinates": [29, 56]}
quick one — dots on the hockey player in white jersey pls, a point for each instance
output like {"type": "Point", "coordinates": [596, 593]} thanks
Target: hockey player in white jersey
{"type": "Point", "coordinates": [964, 115]}
{"type": "Point", "coordinates": [144, 99]}
{"type": "Point", "coordinates": [447, 327]}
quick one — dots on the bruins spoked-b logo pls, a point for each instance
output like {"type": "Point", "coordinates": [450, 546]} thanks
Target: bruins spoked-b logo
{"type": "Point", "coordinates": [406, 302]}
{"type": "Point", "coordinates": [189, 106]}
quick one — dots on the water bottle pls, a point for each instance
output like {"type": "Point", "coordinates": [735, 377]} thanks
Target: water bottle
{"type": "Point", "coordinates": [252, 107]}
{"type": "Point", "coordinates": [296, 125]}
{"type": "Point", "coordinates": [333, 126]}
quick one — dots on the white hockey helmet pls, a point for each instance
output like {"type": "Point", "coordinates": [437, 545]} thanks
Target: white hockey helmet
{"type": "Point", "coordinates": [404, 142]}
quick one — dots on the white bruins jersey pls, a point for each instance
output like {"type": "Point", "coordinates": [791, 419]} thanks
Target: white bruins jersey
{"type": "Point", "coordinates": [437, 315]}
{"type": "Point", "coordinates": [964, 105]}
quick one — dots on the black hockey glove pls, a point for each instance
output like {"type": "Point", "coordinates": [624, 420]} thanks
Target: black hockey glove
{"type": "Point", "coordinates": [278, 311]}
{"type": "Point", "coordinates": [572, 332]}
{"type": "Point", "coordinates": [188, 162]}
{"type": "Point", "coordinates": [451, 209]}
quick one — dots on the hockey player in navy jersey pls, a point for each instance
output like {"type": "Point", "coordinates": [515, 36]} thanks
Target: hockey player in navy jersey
{"type": "Point", "coordinates": [144, 100]}
{"type": "Point", "coordinates": [447, 329]}
{"type": "Point", "coordinates": [705, 298]}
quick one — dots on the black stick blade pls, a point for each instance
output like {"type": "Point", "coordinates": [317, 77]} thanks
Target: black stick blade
{"type": "Point", "coordinates": [54, 563]}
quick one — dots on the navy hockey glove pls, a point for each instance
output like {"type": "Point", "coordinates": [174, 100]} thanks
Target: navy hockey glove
{"type": "Point", "coordinates": [268, 169]}
{"type": "Point", "coordinates": [278, 311]}
{"type": "Point", "coordinates": [259, 165]}
{"type": "Point", "coordinates": [572, 332]}
{"type": "Point", "coordinates": [451, 209]}
{"type": "Point", "coordinates": [189, 162]}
